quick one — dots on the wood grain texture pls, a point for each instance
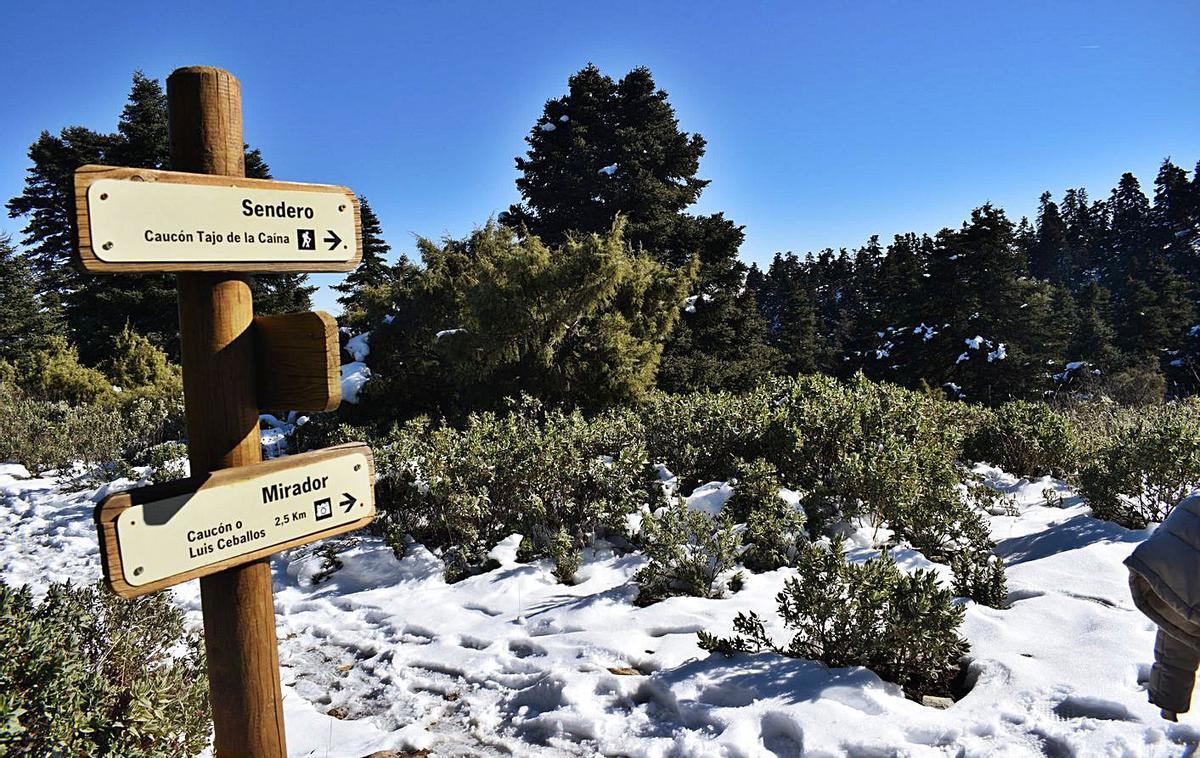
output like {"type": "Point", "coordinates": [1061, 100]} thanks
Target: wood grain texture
{"type": "Point", "coordinates": [204, 107]}
{"type": "Point", "coordinates": [86, 255]}
{"type": "Point", "coordinates": [299, 362]}
{"type": "Point", "coordinates": [107, 513]}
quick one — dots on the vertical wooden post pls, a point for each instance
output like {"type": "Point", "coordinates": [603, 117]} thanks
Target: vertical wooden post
{"type": "Point", "coordinates": [215, 315]}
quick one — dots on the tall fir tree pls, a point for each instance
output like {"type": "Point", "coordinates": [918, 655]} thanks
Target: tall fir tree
{"type": "Point", "coordinates": [25, 324]}
{"type": "Point", "coordinates": [276, 293]}
{"type": "Point", "coordinates": [95, 309]}
{"type": "Point", "coordinates": [1050, 256]}
{"type": "Point", "coordinates": [372, 271]}
{"type": "Point", "coordinates": [1177, 220]}
{"type": "Point", "coordinates": [614, 148]}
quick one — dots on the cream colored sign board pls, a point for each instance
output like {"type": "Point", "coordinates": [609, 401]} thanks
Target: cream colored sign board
{"type": "Point", "coordinates": [179, 534]}
{"type": "Point", "coordinates": [161, 222]}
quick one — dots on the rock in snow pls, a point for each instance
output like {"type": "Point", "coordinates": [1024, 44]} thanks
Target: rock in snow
{"type": "Point", "coordinates": [511, 662]}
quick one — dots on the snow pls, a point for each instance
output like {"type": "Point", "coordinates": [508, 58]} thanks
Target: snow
{"type": "Point", "coordinates": [354, 376]}
{"type": "Point", "coordinates": [564, 118]}
{"type": "Point", "coordinates": [448, 332]}
{"type": "Point", "coordinates": [389, 319]}
{"type": "Point", "coordinates": [547, 127]}
{"type": "Point", "coordinates": [974, 342]}
{"type": "Point", "coordinates": [710, 498]}
{"type": "Point", "coordinates": [1073, 365]}
{"type": "Point", "coordinates": [359, 346]}
{"type": "Point", "coordinates": [385, 655]}
{"type": "Point", "coordinates": [998, 354]}
{"type": "Point", "coordinates": [964, 356]}
{"type": "Point", "coordinates": [608, 170]}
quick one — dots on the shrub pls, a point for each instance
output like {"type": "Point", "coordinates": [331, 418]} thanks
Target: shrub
{"type": "Point", "coordinates": [121, 427]}
{"type": "Point", "coordinates": [136, 362]}
{"type": "Point", "coordinates": [1027, 439]}
{"type": "Point", "coordinates": [902, 627]}
{"type": "Point", "coordinates": [880, 451]}
{"type": "Point", "coordinates": [566, 556]}
{"type": "Point", "coordinates": [532, 471]}
{"type": "Point", "coordinates": [980, 576]}
{"type": "Point", "coordinates": [774, 526]}
{"type": "Point", "coordinates": [45, 434]}
{"type": "Point", "coordinates": [168, 461]}
{"type": "Point", "coordinates": [86, 673]}
{"type": "Point", "coordinates": [1151, 462]}
{"type": "Point", "coordinates": [151, 416]}
{"type": "Point", "coordinates": [702, 436]}
{"type": "Point", "coordinates": [55, 374]}
{"type": "Point", "coordinates": [688, 552]}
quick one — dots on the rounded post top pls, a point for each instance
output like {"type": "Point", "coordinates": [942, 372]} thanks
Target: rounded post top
{"type": "Point", "coordinates": [201, 71]}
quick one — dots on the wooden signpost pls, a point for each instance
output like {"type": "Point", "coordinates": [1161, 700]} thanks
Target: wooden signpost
{"type": "Point", "coordinates": [212, 227]}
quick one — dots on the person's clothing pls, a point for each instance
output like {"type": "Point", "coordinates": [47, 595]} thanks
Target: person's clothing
{"type": "Point", "coordinates": [1164, 579]}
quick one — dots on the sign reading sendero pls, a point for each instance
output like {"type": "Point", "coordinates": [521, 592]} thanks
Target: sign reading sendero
{"type": "Point", "coordinates": [185, 527]}
{"type": "Point", "coordinates": [170, 221]}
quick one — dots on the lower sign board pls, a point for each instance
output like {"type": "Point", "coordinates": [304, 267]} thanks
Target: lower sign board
{"type": "Point", "coordinates": [165, 534]}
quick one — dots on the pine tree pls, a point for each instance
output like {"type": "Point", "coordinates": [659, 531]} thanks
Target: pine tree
{"type": "Point", "coordinates": [25, 325]}
{"type": "Point", "coordinates": [1128, 235]}
{"type": "Point", "coordinates": [609, 149]}
{"type": "Point", "coordinates": [95, 309]}
{"type": "Point", "coordinates": [48, 204]}
{"type": "Point", "coordinates": [1085, 234]}
{"type": "Point", "coordinates": [1051, 257]}
{"type": "Point", "coordinates": [1094, 338]}
{"type": "Point", "coordinates": [276, 293]}
{"type": "Point", "coordinates": [784, 304]}
{"type": "Point", "coordinates": [1177, 220]}
{"type": "Point", "coordinates": [372, 271]}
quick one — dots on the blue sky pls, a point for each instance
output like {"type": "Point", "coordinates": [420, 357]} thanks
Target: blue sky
{"type": "Point", "coordinates": [826, 122]}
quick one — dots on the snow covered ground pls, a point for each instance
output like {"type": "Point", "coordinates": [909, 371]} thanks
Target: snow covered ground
{"type": "Point", "coordinates": [387, 656]}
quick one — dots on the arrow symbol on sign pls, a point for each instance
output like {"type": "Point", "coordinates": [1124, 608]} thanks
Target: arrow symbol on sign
{"type": "Point", "coordinates": [333, 239]}
{"type": "Point", "coordinates": [349, 502]}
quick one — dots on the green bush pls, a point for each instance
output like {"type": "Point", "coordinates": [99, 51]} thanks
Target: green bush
{"type": "Point", "coordinates": [980, 576]}
{"type": "Point", "coordinates": [86, 673]}
{"type": "Point", "coordinates": [531, 471]}
{"type": "Point", "coordinates": [866, 449]}
{"type": "Point", "coordinates": [774, 527]}
{"type": "Point", "coordinates": [54, 434]}
{"type": "Point", "coordinates": [136, 362]}
{"type": "Point", "coordinates": [688, 552]}
{"type": "Point", "coordinates": [151, 416]}
{"type": "Point", "coordinates": [44, 434]}
{"type": "Point", "coordinates": [167, 461]}
{"type": "Point", "coordinates": [1026, 439]}
{"type": "Point", "coordinates": [702, 436]}
{"type": "Point", "coordinates": [55, 374]}
{"type": "Point", "coordinates": [1150, 463]}
{"type": "Point", "coordinates": [566, 556]}
{"type": "Point", "coordinates": [903, 627]}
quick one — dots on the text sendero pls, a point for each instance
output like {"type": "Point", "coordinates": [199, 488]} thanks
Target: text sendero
{"type": "Point", "coordinates": [275, 210]}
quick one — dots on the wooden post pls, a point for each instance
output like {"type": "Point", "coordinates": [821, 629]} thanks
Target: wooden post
{"type": "Point", "coordinates": [215, 316]}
